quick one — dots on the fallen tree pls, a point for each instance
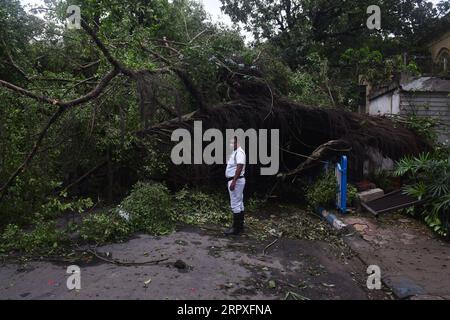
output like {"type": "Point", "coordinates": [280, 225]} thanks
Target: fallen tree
{"type": "Point", "coordinates": [308, 135]}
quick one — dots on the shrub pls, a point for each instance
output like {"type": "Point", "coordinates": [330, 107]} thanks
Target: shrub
{"type": "Point", "coordinates": [57, 205]}
{"type": "Point", "coordinates": [44, 239]}
{"type": "Point", "coordinates": [382, 179]}
{"type": "Point", "coordinates": [149, 206]}
{"type": "Point", "coordinates": [197, 207]}
{"type": "Point", "coordinates": [428, 178]}
{"type": "Point", "coordinates": [323, 191]}
{"type": "Point", "coordinates": [426, 127]}
{"type": "Point", "coordinates": [11, 239]}
{"type": "Point", "coordinates": [104, 227]}
{"type": "Point", "coordinates": [254, 203]}
{"type": "Point", "coordinates": [352, 194]}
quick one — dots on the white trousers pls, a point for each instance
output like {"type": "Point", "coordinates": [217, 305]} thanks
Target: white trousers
{"type": "Point", "coordinates": [237, 196]}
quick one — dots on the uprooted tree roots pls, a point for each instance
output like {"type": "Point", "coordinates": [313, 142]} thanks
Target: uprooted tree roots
{"type": "Point", "coordinates": [308, 135]}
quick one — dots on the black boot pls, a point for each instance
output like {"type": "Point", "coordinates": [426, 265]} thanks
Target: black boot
{"type": "Point", "coordinates": [241, 222]}
{"type": "Point", "coordinates": [234, 230]}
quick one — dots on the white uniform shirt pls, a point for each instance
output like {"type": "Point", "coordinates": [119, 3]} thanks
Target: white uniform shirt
{"type": "Point", "coordinates": [236, 157]}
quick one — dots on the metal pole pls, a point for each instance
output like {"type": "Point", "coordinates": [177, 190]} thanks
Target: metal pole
{"type": "Point", "coordinates": [341, 175]}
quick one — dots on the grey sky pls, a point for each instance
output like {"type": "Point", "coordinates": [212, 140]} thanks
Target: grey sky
{"type": "Point", "coordinates": [213, 8]}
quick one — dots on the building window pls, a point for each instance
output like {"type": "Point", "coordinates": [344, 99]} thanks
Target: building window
{"type": "Point", "coordinates": [443, 61]}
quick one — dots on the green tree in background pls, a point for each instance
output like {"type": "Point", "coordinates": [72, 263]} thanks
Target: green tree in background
{"type": "Point", "coordinates": [331, 30]}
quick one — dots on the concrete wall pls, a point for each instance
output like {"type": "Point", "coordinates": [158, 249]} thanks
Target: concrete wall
{"type": "Point", "coordinates": [427, 104]}
{"type": "Point", "coordinates": [376, 161]}
{"type": "Point", "coordinates": [434, 105]}
{"type": "Point", "coordinates": [388, 103]}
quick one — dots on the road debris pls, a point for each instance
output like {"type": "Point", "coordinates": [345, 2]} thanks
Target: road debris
{"type": "Point", "coordinates": [272, 284]}
{"type": "Point", "coordinates": [147, 282]}
{"type": "Point", "coordinates": [180, 264]}
{"type": "Point", "coordinates": [294, 296]}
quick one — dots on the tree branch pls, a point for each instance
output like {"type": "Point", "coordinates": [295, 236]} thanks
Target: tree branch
{"type": "Point", "coordinates": [116, 64]}
{"type": "Point", "coordinates": [322, 152]}
{"type": "Point", "coordinates": [64, 104]}
{"type": "Point", "coordinates": [27, 93]}
{"type": "Point", "coordinates": [94, 93]}
{"type": "Point", "coordinates": [21, 168]}
{"type": "Point", "coordinates": [184, 77]}
{"type": "Point", "coordinates": [13, 64]}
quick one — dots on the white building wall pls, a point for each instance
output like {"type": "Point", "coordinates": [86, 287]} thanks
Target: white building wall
{"type": "Point", "coordinates": [426, 104]}
{"type": "Point", "coordinates": [433, 105]}
{"type": "Point", "coordinates": [396, 103]}
{"type": "Point", "coordinates": [388, 103]}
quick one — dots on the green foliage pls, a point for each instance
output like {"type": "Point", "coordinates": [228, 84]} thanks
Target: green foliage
{"type": "Point", "coordinates": [367, 65]}
{"type": "Point", "coordinates": [254, 203]}
{"type": "Point", "coordinates": [55, 206]}
{"type": "Point", "coordinates": [196, 207]}
{"type": "Point", "coordinates": [304, 88]}
{"type": "Point", "coordinates": [149, 207]}
{"type": "Point", "coordinates": [374, 67]}
{"type": "Point", "coordinates": [104, 227]}
{"type": "Point", "coordinates": [429, 169]}
{"type": "Point", "coordinates": [365, 62]}
{"type": "Point", "coordinates": [331, 27]}
{"type": "Point", "coordinates": [315, 83]}
{"type": "Point", "coordinates": [428, 178]}
{"type": "Point", "coordinates": [423, 126]}
{"type": "Point", "coordinates": [352, 193]}
{"type": "Point", "coordinates": [382, 179]}
{"type": "Point", "coordinates": [335, 31]}
{"type": "Point", "coordinates": [266, 57]}
{"type": "Point", "coordinates": [156, 161]}
{"type": "Point", "coordinates": [323, 191]}
{"type": "Point", "coordinates": [43, 239]}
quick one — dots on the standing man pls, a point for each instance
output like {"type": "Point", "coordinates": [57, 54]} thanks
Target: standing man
{"type": "Point", "coordinates": [236, 182]}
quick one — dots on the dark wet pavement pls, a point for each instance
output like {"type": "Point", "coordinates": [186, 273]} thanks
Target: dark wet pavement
{"type": "Point", "coordinates": [200, 265]}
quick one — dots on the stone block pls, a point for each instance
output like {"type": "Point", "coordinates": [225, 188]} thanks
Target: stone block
{"type": "Point", "coordinates": [370, 195]}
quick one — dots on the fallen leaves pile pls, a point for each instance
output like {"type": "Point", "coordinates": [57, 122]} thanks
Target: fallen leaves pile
{"type": "Point", "coordinates": [293, 222]}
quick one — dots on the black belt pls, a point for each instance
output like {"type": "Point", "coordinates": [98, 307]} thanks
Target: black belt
{"type": "Point", "coordinates": [229, 179]}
